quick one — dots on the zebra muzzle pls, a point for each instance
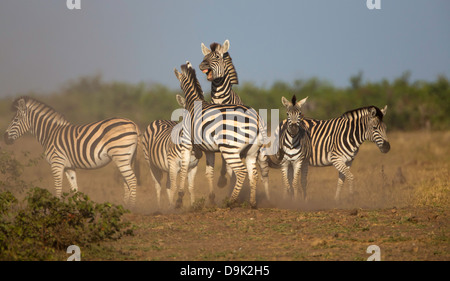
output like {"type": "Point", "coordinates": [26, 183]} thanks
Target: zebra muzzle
{"type": "Point", "coordinates": [8, 140]}
{"type": "Point", "coordinates": [385, 147]}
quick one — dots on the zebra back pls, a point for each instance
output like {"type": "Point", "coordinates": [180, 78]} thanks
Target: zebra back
{"type": "Point", "coordinates": [344, 135]}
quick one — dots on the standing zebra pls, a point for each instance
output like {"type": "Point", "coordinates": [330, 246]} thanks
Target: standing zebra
{"type": "Point", "coordinates": [219, 69]}
{"type": "Point", "coordinates": [336, 141]}
{"type": "Point", "coordinates": [233, 130]}
{"type": "Point", "coordinates": [294, 147]}
{"type": "Point", "coordinates": [68, 147]}
{"type": "Point", "coordinates": [164, 156]}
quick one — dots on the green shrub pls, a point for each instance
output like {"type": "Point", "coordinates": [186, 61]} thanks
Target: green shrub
{"type": "Point", "coordinates": [47, 224]}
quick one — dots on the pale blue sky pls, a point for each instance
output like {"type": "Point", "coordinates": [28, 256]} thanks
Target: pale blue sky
{"type": "Point", "coordinates": [43, 44]}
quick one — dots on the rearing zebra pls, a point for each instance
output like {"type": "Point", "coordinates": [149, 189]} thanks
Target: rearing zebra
{"type": "Point", "coordinates": [294, 147]}
{"type": "Point", "coordinates": [219, 69]}
{"type": "Point", "coordinates": [234, 130]}
{"type": "Point", "coordinates": [336, 141]}
{"type": "Point", "coordinates": [68, 147]}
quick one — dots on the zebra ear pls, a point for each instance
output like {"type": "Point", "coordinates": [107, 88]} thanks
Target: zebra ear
{"type": "Point", "coordinates": [301, 102]}
{"type": "Point", "coordinates": [177, 74]}
{"type": "Point", "coordinates": [225, 46]}
{"type": "Point", "coordinates": [285, 102]}
{"type": "Point", "coordinates": [21, 105]}
{"type": "Point", "coordinates": [181, 101]}
{"type": "Point", "coordinates": [205, 50]}
{"type": "Point", "coordinates": [373, 111]}
{"type": "Point", "coordinates": [384, 110]}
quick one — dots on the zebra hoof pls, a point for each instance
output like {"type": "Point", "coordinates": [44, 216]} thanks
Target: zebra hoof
{"type": "Point", "coordinates": [212, 197]}
{"type": "Point", "coordinates": [232, 204]}
{"type": "Point", "coordinates": [222, 182]}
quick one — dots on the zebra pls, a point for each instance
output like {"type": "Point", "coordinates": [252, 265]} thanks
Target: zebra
{"type": "Point", "coordinates": [294, 147]}
{"type": "Point", "coordinates": [233, 130]}
{"type": "Point", "coordinates": [68, 147]}
{"type": "Point", "coordinates": [219, 69]}
{"type": "Point", "coordinates": [336, 141]}
{"type": "Point", "coordinates": [164, 156]}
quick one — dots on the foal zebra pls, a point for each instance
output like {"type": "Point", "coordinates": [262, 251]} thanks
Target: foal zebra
{"type": "Point", "coordinates": [164, 155]}
{"type": "Point", "coordinates": [294, 145]}
{"type": "Point", "coordinates": [68, 147]}
{"type": "Point", "coordinates": [219, 69]}
{"type": "Point", "coordinates": [336, 141]}
{"type": "Point", "coordinates": [234, 130]}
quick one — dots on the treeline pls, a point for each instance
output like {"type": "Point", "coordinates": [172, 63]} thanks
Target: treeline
{"type": "Point", "coordinates": [411, 105]}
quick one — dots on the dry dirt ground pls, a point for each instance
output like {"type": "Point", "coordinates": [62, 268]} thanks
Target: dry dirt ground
{"type": "Point", "coordinates": [401, 204]}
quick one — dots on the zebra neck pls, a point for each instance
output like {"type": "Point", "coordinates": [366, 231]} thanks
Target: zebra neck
{"type": "Point", "coordinates": [360, 132]}
{"type": "Point", "coordinates": [44, 126]}
{"type": "Point", "coordinates": [221, 88]}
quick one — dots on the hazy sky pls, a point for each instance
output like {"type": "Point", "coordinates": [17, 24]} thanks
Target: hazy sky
{"type": "Point", "coordinates": [43, 44]}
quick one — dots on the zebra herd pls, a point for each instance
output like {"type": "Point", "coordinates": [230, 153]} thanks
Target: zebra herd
{"type": "Point", "coordinates": [222, 125]}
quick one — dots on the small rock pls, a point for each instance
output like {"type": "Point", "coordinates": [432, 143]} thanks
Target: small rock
{"type": "Point", "coordinates": [318, 242]}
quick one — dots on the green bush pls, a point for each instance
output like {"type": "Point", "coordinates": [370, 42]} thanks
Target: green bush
{"type": "Point", "coordinates": [47, 224]}
{"type": "Point", "coordinates": [37, 226]}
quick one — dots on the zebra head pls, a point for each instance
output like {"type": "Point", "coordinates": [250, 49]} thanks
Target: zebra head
{"type": "Point", "coordinates": [294, 113]}
{"type": "Point", "coordinates": [376, 129]}
{"type": "Point", "coordinates": [189, 83]}
{"type": "Point", "coordinates": [20, 123]}
{"type": "Point", "coordinates": [213, 64]}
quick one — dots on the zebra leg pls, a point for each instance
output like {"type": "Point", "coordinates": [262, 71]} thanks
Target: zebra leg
{"type": "Point", "coordinates": [191, 177]}
{"type": "Point", "coordinates": [124, 166]}
{"type": "Point", "coordinates": [223, 171]}
{"type": "Point", "coordinates": [350, 178]}
{"type": "Point", "coordinates": [157, 176]}
{"type": "Point", "coordinates": [286, 181]}
{"type": "Point", "coordinates": [296, 166]}
{"type": "Point", "coordinates": [72, 178]}
{"type": "Point", "coordinates": [234, 160]}
{"type": "Point", "coordinates": [186, 151]}
{"type": "Point", "coordinates": [57, 171]}
{"type": "Point", "coordinates": [209, 172]}
{"type": "Point", "coordinates": [344, 173]}
{"type": "Point", "coordinates": [252, 176]}
{"type": "Point", "coordinates": [173, 172]}
{"type": "Point", "coordinates": [264, 170]}
{"type": "Point", "coordinates": [304, 171]}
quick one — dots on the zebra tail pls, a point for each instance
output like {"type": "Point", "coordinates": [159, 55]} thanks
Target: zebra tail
{"type": "Point", "coordinates": [136, 161]}
{"type": "Point", "coordinates": [274, 161]}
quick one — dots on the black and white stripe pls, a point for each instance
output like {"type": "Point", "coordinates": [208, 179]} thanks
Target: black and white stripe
{"type": "Point", "coordinates": [336, 141]}
{"type": "Point", "coordinates": [294, 147]}
{"type": "Point", "coordinates": [163, 154]}
{"type": "Point", "coordinates": [219, 69]}
{"type": "Point", "coordinates": [233, 130]}
{"type": "Point", "coordinates": [68, 147]}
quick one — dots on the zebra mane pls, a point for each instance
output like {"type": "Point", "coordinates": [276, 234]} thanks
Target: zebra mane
{"type": "Point", "coordinates": [214, 46]}
{"type": "Point", "coordinates": [379, 114]}
{"type": "Point", "coordinates": [31, 101]}
{"type": "Point", "coordinates": [232, 70]}
{"type": "Point", "coordinates": [294, 100]}
{"type": "Point", "coordinates": [197, 87]}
